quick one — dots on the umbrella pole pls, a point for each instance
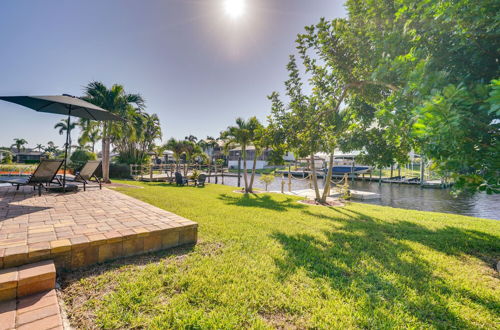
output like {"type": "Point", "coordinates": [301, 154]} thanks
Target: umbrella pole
{"type": "Point", "coordinates": [66, 149]}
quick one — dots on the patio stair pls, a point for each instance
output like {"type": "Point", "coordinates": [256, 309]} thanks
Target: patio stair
{"type": "Point", "coordinates": [27, 280]}
{"type": "Point", "coordinates": [39, 311]}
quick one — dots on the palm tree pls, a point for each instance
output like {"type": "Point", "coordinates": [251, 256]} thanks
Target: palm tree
{"type": "Point", "coordinates": [39, 147]}
{"type": "Point", "coordinates": [242, 134]}
{"type": "Point", "coordinates": [63, 128]}
{"type": "Point", "coordinates": [90, 133]}
{"type": "Point", "coordinates": [19, 144]}
{"type": "Point", "coordinates": [51, 147]}
{"type": "Point", "coordinates": [191, 150]}
{"type": "Point", "coordinates": [191, 138]}
{"type": "Point", "coordinates": [117, 101]}
{"type": "Point", "coordinates": [177, 147]}
{"type": "Point", "coordinates": [259, 146]}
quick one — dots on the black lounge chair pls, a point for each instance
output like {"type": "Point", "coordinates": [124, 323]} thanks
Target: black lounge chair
{"type": "Point", "coordinates": [45, 173]}
{"type": "Point", "coordinates": [200, 182]}
{"type": "Point", "coordinates": [86, 174]}
{"type": "Point", "coordinates": [180, 180]}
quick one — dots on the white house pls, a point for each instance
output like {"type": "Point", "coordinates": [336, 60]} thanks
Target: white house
{"type": "Point", "coordinates": [262, 159]}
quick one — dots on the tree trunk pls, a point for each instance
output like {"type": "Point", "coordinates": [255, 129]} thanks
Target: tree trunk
{"type": "Point", "coordinates": [105, 159]}
{"type": "Point", "coordinates": [328, 181]}
{"type": "Point", "coordinates": [314, 178]}
{"type": "Point", "coordinates": [244, 154]}
{"type": "Point", "coordinates": [254, 165]}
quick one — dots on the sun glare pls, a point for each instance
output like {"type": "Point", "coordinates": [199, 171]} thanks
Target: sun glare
{"type": "Point", "coordinates": [234, 8]}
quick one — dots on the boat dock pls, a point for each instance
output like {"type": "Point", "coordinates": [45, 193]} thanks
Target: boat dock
{"type": "Point", "coordinates": [310, 194]}
{"type": "Point", "coordinates": [436, 184]}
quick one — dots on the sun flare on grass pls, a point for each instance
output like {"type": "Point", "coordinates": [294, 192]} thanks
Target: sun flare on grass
{"type": "Point", "coordinates": [234, 8]}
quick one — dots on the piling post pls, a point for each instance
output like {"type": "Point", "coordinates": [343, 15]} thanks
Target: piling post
{"type": "Point", "coordinates": [282, 183]}
{"type": "Point", "coordinates": [209, 171]}
{"type": "Point", "coordinates": [422, 169]}
{"type": "Point", "coordinates": [289, 179]}
{"type": "Point", "coordinates": [151, 172]}
{"type": "Point", "coordinates": [399, 174]}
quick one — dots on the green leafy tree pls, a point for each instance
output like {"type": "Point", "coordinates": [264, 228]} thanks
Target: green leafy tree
{"type": "Point", "coordinates": [428, 68]}
{"type": "Point", "coordinates": [79, 157]}
{"type": "Point", "coordinates": [7, 157]}
{"type": "Point", "coordinates": [117, 101]}
{"type": "Point", "coordinates": [136, 137]}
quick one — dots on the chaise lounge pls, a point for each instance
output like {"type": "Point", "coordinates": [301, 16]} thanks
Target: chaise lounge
{"type": "Point", "coordinates": [44, 174]}
{"type": "Point", "coordinates": [86, 174]}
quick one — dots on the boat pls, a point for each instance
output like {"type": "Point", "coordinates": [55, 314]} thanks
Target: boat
{"type": "Point", "coordinates": [346, 164]}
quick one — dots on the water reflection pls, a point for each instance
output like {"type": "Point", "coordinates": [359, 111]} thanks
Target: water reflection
{"type": "Point", "coordinates": [407, 197]}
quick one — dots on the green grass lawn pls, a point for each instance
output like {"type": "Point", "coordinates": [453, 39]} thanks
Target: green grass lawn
{"type": "Point", "coordinates": [265, 261]}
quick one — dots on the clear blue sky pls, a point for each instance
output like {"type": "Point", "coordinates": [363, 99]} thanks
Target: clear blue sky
{"type": "Point", "coordinates": [197, 66]}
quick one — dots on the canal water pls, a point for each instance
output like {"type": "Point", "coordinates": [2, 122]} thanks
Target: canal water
{"type": "Point", "coordinates": [405, 196]}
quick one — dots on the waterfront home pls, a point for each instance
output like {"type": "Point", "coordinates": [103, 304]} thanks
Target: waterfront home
{"type": "Point", "coordinates": [262, 159]}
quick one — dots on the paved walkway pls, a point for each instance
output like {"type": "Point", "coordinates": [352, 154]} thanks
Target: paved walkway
{"type": "Point", "coordinates": [79, 229]}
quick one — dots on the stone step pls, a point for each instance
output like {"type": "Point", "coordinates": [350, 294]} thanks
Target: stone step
{"type": "Point", "coordinates": [39, 311]}
{"type": "Point", "coordinates": [27, 280]}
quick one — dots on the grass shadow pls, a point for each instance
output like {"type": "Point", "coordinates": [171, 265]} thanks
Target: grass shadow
{"type": "Point", "coordinates": [370, 259]}
{"type": "Point", "coordinates": [265, 201]}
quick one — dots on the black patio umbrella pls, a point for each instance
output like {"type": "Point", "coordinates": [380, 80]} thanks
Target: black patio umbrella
{"type": "Point", "coordinates": [63, 105]}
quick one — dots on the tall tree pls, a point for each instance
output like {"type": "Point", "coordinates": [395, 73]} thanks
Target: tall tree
{"type": "Point", "coordinates": [190, 151]}
{"type": "Point", "coordinates": [51, 148]}
{"type": "Point", "coordinates": [19, 143]}
{"type": "Point", "coordinates": [177, 147]}
{"type": "Point", "coordinates": [137, 136]}
{"type": "Point", "coordinates": [242, 134]}
{"type": "Point", "coordinates": [63, 128]}
{"type": "Point", "coordinates": [259, 144]}
{"type": "Point", "coordinates": [428, 68]}
{"type": "Point", "coordinates": [39, 147]}
{"type": "Point", "coordinates": [191, 138]}
{"type": "Point", "coordinates": [90, 133]}
{"type": "Point", "coordinates": [117, 101]}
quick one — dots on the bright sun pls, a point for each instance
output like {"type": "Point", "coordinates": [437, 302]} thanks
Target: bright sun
{"type": "Point", "coordinates": [234, 8]}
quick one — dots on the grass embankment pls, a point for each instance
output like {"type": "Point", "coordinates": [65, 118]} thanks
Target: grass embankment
{"type": "Point", "coordinates": [267, 261]}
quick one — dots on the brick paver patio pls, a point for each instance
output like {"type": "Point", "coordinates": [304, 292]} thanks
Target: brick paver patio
{"type": "Point", "coordinates": [83, 228]}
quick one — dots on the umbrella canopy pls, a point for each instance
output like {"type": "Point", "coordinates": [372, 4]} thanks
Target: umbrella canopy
{"type": "Point", "coordinates": [63, 105]}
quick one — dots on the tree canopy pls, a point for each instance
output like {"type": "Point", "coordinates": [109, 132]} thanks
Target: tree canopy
{"type": "Point", "coordinates": [419, 75]}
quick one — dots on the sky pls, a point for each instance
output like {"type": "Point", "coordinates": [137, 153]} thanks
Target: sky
{"type": "Point", "coordinates": [199, 64]}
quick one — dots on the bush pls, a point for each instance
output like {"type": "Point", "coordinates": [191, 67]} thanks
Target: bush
{"type": "Point", "coordinates": [7, 159]}
{"type": "Point", "coordinates": [119, 171]}
{"type": "Point", "coordinates": [32, 161]}
{"type": "Point", "coordinates": [79, 158]}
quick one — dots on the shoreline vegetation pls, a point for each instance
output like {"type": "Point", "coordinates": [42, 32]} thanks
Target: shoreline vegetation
{"type": "Point", "coordinates": [267, 261]}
